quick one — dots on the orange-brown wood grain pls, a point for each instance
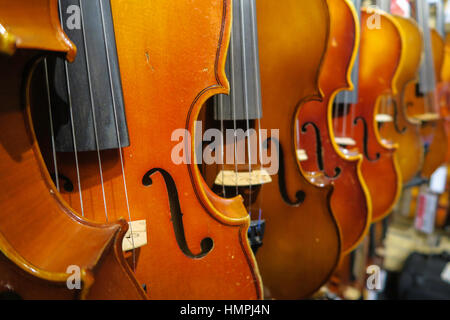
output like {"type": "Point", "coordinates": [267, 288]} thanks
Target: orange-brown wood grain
{"type": "Point", "coordinates": [436, 155]}
{"type": "Point", "coordinates": [40, 236]}
{"type": "Point", "coordinates": [444, 93]}
{"type": "Point", "coordinates": [432, 131]}
{"type": "Point", "coordinates": [350, 201]}
{"type": "Point", "coordinates": [403, 130]}
{"type": "Point", "coordinates": [171, 58]}
{"type": "Point", "coordinates": [380, 52]}
{"type": "Point", "coordinates": [302, 240]}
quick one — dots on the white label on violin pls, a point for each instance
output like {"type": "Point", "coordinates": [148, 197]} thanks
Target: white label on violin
{"type": "Point", "coordinates": [383, 118]}
{"type": "Point", "coordinates": [136, 235]}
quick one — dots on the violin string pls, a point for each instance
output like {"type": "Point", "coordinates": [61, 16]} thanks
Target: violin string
{"type": "Point", "coordinates": [74, 138]}
{"type": "Point", "coordinates": [336, 107]}
{"type": "Point", "coordinates": [346, 105]}
{"type": "Point", "coordinates": [246, 104]}
{"type": "Point", "coordinates": [387, 104]}
{"type": "Point", "coordinates": [94, 120]}
{"type": "Point", "coordinates": [52, 132]}
{"type": "Point", "coordinates": [379, 106]}
{"type": "Point", "coordinates": [258, 100]}
{"type": "Point", "coordinates": [119, 143]}
{"type": "Point", "coordinates": [233, 107]}
{"type": "Point", "coordinates": [221, 98]}
{"type": "Point", "coordinates": [353, 107]}
{"type": "Point", "coordinates": [390, 106]}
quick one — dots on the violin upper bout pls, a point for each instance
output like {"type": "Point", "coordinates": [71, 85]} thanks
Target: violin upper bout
{"type": "Point", "coordinates": [232, 211]}
{"type": "Point", "coordinates": [384, 41]}
{"type": "Point", "coordinates": [45, 17]}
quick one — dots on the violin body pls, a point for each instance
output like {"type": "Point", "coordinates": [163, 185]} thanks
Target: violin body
{"type": "Point", "coordinates": [171, 59]}
{"type": "Point", "coordinates": [436, 155]}
{"type": "Point", "coordinates": [403, 130]}
{"type": "Point", "coordinates": [350, 201]}
{"type": "Point", "coordinates": [444, 93]}
{"type": "Point", "coordinates": [302, 239]}
{"type": "Point", "coordinates": [376, 79]}
{"type": "Point", "coordinates": [40, 235]}
{"type": "Point", "coordinates": [433, 126]}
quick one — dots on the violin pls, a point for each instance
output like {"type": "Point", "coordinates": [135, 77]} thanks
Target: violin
{"type": "Point", "coordinates": [444, 93]}
{"type": "Point", "coordinates": [302, 243]}
{"type": "Point", "coordinates": [437, 151]}
{"type": "Point", "coordinates": [401, 129]}
{"type": "Point", "coordinates": [41, 238]}
{"type": "Point", "coordinates": [240, 169]}
{"type": "Point", "coordinates": [421, 97]}
{"type": "Point", "coordinates": [252, 144]}
{"type": "Point", "coordinates": [356, 122]}
{"type": "Point", "coordinates": [350, 200]}
{"type": "Point", "coordinates": [184, 241]}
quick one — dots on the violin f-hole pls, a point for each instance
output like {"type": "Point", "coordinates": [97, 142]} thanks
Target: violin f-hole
{"type": "Point", "coordinates": [67, 183]}
{"type": "Point", "coordinates": [365, 139]}
{"type": "Point", "coordinates": [300, 195]}
{"type": "Point", "coordinates": [206, 244]}
{"type": "Point", "coordinates": [319, 151]}
{"type": "Point", "coordinates": [396, 125]}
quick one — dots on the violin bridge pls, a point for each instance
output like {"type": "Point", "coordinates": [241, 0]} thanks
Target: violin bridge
{"type": "Point", "coordinates": [136, 235]}
{"type": "Point", "coordinates": [345, 141]}
{"type": "Point", "coordinates": [301, 155]}
{"type": "Point", "coordinates": [382, 118]}
{"type": "Point", "coordinates": [242, 178]}
{"type": "Point", "coordinates": [427, 117]}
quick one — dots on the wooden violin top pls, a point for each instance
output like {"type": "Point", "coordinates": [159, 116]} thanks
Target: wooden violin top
{"type": "Point", "coordinates": [350, 201]}
{"type": "Point", "coordinates": [171, 58]}
{"type": "Point", "coordinates": [40, 234]}
{"type": "Point", "coordinates": [301, 241]}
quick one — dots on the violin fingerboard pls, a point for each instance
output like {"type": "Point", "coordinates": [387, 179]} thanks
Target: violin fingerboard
{"type": "Point", "coordinates": [88, 92]}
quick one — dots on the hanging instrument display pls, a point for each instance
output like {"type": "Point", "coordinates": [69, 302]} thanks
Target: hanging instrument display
{"type": "Point", "coordinates": [256, 179]}
{"type": "Point", "coordinates": [227, 150]}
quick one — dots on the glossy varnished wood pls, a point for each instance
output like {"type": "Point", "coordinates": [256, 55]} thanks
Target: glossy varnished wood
{"type": "Point", "coordinates": [302, 241]}
{"type": "Point", "coordinates": [171, 59]}
{"type": "Point", "coordinates": [40, 236]}
{"type": "Point", "coordinates": [376, 78]}
{"type": "Point", "coordinates": [433, 131]}
{"type": "Point", "coordinates": [405, 131]}
{"type": "Point", "coordinates": [444, 93]}
{"type": "Point", "coordinates": [350, 200]}
{"type": "Point", "coordinates": [438, 148]}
